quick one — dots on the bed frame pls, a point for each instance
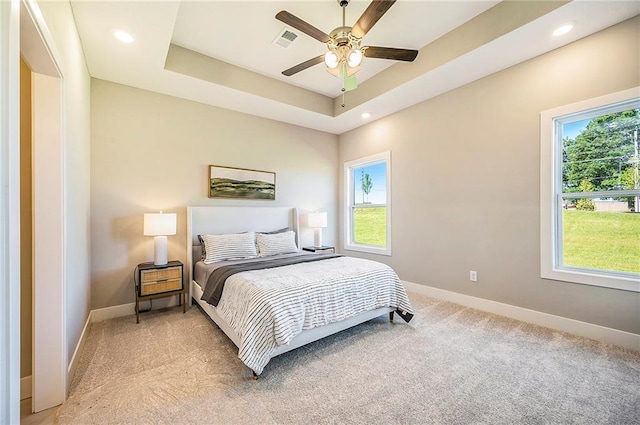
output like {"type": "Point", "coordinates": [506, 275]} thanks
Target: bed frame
{"type": "Point", "coordinates": [217, 220]}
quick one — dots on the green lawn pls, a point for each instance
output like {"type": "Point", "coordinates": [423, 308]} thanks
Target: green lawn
{"type": "Point", "coordinates": [602, 240]}
{"type": "Point", "coordinates": [370, 226]}
{"type": "Point", "coordinates": [596, 240]}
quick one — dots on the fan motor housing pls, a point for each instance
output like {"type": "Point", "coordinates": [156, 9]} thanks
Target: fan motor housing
{"type": "Point", "coordinates": [340, 35]}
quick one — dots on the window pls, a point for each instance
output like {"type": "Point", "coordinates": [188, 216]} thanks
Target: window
{"type": "Point", "coordinates": [367, 205]}
{"type": "Point", "coordinates": [590, 192]}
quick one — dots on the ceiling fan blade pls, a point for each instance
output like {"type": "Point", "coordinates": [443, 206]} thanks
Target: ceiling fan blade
{"type": "Point", "coordinates": [370, 16]}
{"type": "Point", "coordinates": [302, 66]}
{"type": "Point", "coordinates": [405, 55]}
{"type": "Point", "coordinates": [299, 24]}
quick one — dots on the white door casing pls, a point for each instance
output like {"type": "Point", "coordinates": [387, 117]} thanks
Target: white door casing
{"type": "Point", "coordinates": [10, 211]}
{"type": "Point", "coordinates": [50, 359]}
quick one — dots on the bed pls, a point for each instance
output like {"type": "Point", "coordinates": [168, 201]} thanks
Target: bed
{"type": "Point", "coordinates": [273, 304]}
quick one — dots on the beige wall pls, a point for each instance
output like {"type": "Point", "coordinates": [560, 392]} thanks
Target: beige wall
{"type": "Point", "coordinates": [25, 220]}
{"type": "Point", "coordinates": [465, 179]}
{"type": "Point", "coordinates": [152, 152]}
{"type": "Point", "coordinates": [76, 91]}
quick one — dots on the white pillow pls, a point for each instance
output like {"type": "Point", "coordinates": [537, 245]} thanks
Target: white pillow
{"type": "Point", "coordinates": [228, 247]}
{"type": "Point", "coordinates": [276, 243]}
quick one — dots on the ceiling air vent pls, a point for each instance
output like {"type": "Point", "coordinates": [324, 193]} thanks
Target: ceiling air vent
{"type": "Point", "coordinates": [285, 38]}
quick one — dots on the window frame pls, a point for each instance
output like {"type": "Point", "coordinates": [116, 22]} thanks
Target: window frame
{"type": "Point", "coordinates": [349, 244]}
{"type": "Point", "coordinates": [551, 194]}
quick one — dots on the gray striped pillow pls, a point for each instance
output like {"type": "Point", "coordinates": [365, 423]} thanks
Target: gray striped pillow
{"type": "Point", "coordinates": [229, 246]}
{"type": "Point", "coordinates": [277, 243]}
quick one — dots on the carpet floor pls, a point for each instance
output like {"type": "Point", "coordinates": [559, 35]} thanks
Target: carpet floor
{"type": "Point", "coordinates": [451, 365]}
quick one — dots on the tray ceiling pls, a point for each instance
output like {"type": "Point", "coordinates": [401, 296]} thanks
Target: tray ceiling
{"type": "Point", "coordinates": [222, 53]}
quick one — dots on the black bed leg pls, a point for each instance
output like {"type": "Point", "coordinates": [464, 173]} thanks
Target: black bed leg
{"type": "Point", "coordinates": [391, 316]}
{"type": "Point", "coordinates": [255, 376]}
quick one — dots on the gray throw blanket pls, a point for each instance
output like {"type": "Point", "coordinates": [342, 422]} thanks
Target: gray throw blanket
{"type": "Point", "coordinates": [215, 284]}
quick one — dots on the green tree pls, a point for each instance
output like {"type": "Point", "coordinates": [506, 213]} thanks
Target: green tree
{"type": "Point", "coordinates": [601, 152]}
{"type": "Point", "coordinates": [629, 180]}
{"type": "Point", "coordinates": [366, 184]}
{"type": "Point", "coordinates": [585, 204]}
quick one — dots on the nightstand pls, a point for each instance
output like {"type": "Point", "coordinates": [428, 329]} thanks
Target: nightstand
{"type": "Point", "coordinates": [319, 249]}
{"type": "Point", "coordinates": [153, 281]}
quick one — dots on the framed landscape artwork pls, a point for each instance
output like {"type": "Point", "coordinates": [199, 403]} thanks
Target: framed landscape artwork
{"type": "Point", "coordinates": [228, 182]}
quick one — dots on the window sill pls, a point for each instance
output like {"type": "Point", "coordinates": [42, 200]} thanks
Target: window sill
{"type": "Point", "coordinates": [585, 277]}
{"type": "Point", "coordinates": [369, 249]}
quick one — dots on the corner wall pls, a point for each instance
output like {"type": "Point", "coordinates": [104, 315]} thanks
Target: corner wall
{"type": "Point", "coordinates": [152, 152]}
{"type": "Point", "coordinates": [465, 179]}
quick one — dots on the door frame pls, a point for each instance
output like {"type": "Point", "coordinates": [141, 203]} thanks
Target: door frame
{"type": "Point", "coordinates": [10, 211]}
{"type": "Point", "coordinates": [49, 352]}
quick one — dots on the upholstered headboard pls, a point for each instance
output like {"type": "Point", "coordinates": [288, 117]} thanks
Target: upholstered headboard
{"type": "Point", "coordinates": [219, 220]}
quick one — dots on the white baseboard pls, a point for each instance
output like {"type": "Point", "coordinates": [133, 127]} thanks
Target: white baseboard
{"type": "Point", "coordinates": [101, 314]}
{"type": "Point", "coordinates": [576, 327]}
{"type": "Point", "coordinates": [121, 310]}
{"type": "Point", "coordinates": [71, 370]}
{"type": "Point", "coordinates": [25, 387]}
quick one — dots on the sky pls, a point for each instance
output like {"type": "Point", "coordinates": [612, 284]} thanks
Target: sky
{"type": "Point", "coordinates": [572, 129]}
{"type": "Point", "coordinates": [378, 174]}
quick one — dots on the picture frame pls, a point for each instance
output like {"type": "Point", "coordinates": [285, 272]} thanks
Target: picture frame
{"type": "Point", "coordinates": [241, 183]}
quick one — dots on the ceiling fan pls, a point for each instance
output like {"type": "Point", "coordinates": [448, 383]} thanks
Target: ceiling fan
{"type": "Point", "coordinates": [344, 53]}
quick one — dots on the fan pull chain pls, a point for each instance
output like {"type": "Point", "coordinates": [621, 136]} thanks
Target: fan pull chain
{"type": "Point", "coordinates": [343, 92]}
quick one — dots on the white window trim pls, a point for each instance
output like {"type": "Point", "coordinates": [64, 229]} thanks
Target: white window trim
{"type": "Point", "coordinates": [549, 220]}
{"type": "Point", "coordinates": [349, 244]}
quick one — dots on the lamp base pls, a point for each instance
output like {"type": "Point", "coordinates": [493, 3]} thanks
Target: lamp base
{"type": "Point", "coordinates": [317, 237]}
{"type": "Point", "coordinates": [160, 250]}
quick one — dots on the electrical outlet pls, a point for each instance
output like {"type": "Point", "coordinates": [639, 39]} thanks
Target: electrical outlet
{"type": "Point", "coordinates": [473, 276]}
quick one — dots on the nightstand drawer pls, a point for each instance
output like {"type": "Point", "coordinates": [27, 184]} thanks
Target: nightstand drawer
{"type": "Point", "coordinates": [158, 281]}
{"type": "Point", "coordinates": [156, 287]}
{"type": "Point", "coordinates": [154, 275]}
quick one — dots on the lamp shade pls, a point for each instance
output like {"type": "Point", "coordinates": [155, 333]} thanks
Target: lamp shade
{"type": "Point", "coordinates": [317, 219]}
{"type": "Point", "coordinates": [354, 58]}
{"type": "Point", "coordinates": [331, 59]}
{"type": "Point", "coordinates": [159, 224]}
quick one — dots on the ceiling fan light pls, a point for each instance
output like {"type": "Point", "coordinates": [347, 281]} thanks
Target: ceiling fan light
{"type": "Point", "coordinates": [352, 70]}
{"type": "Point", "coordinates": [331, 59]}
{"type": "Point", "coordinates": [354, 58]}
{"type": "Point", "coordinates": [334, 71]}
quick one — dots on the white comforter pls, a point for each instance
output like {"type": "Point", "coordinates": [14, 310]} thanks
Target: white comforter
{"type": "Point", "coordinates": [269, 307]}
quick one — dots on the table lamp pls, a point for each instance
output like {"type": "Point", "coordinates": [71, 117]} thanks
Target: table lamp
{"type": "Point", "coordinates": [317, 220]}
{"type": "Point", "coordinates": [160, 226]}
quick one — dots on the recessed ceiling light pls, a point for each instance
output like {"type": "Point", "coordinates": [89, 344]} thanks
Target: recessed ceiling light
{"type": "Point", "coordinates": [366, 115]}
{"type": "Point", "coordinates": [125, 37]}
{"type": "Point", "coordinates": [563, 29]}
